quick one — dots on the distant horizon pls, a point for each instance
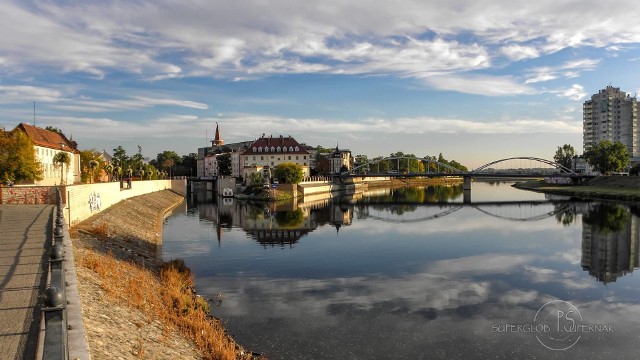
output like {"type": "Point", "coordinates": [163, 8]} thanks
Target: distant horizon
{"type": "Point", "coordinates": [476, 81]}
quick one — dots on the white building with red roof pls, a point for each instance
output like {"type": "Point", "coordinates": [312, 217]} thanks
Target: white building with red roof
{"type": "Point", "coordinates": [46, 145]}
{"type": "Point", "coordinates": [268, 152]}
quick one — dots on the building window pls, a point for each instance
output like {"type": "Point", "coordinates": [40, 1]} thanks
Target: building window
{"type": "Point", "coordinates": [260, 149]}
{"type": "Point", "coordinates": [279, 149]}
{"type": "Point", "coordinates": [296, 157]}
{"type": "Point", "coordinates": [272, 163]}
{"type": "Point", "coordinates": [261, 157]}
{"type": "Point", "coordinates": [284, 149]}
{"type": "Point", "coordinates": [273, 149]}
{"type": "Point", "coordinates": [254, 149]}
{"type": "Point", "coordinates": [290, 148]}
{"type": "Point", "coordinates": [272, 158]}
{"type": "Point", "coordinates": [289, 157]}
{"type": "Point", "coordinates": [297, 148]}
{"type": "Point", "coordinates": [254, 157]}
{"type": "Point", "coordinates": [278, 159]}
{"type": "Point", "coordinates": [305, 164]}
{"type": "Point", "coordinates": [305, 157]}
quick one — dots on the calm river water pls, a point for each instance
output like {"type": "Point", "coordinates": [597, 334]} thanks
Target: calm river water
{"type": "Point", "coordinates": [414, 273]}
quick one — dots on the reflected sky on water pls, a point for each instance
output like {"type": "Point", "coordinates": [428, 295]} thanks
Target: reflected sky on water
{"type": "Point", "coordinates": [397, 274]}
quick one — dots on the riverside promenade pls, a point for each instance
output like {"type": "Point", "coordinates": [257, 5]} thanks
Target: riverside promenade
{"type": "Point", "coordinates": [24, 230]}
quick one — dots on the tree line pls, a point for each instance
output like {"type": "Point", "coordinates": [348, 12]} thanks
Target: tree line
{"type": "Point", "coordinates": [605, 157]}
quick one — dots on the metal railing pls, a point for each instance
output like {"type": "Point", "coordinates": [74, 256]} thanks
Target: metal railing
{"type": "Point", "coordinates": [56, 346]}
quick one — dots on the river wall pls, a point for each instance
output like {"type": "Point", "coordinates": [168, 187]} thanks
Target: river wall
{"type": "Point", "coordinates": [84, 200]}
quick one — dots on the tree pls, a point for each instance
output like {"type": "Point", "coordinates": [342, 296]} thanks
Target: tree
{"type": "Point", "coordinates": [288, 173]}
{"type": "Point", "coordinates": [256, 180]}
{"type": "Point", "coordinates": [564, 155]}
{"type": "Point", "coordinates": [87, 174]}
{"type": "Point", "coordinates": [93, 165]}
{"type": "Point", "coordinates": [18, 160]}
{"type": "Point", "coordinates": [323, 165]}
{"type": "Point", "coordinates": [607, 157]}
{"type": "Point", "coordinates": [190, 164]}
{"type": "Point", "coordinates": [120, 157]}
{"type": "Point", "coordinates": [60, 160]}
{"type": "Point", "coordinates": [224, 164]}
{"type": "Point", "coordinates": [54, 129]}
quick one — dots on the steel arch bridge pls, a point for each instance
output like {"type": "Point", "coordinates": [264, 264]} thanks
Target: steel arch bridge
{"type": "Point", "coordinates": [443, 169]}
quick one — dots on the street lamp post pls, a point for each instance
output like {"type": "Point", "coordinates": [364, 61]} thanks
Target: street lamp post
{"type": "Point", "coordinates": [62, 165]}
{"type": "Point", "coordinates": [140, 153]}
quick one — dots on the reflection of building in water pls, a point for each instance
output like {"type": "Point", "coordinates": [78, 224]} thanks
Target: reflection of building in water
{"type": "Point", "coordinates": [273, 224]}
{"type": "Point", "coordinates": [278, 228]}
{"type": "Point", "coordinates": [608, 254]}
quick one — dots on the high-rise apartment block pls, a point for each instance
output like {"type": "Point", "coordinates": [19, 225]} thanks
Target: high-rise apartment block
{"type": "Point", "coordinates": [612, 115]}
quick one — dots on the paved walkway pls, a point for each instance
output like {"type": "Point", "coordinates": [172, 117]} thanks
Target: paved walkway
{"type": "Point", "coordinates": [24, 230]}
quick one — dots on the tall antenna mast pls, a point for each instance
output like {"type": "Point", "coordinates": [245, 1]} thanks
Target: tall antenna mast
{"type": "Point", "coordinates": [34, 113]}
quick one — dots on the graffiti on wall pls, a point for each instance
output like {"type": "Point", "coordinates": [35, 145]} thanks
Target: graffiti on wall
{"type": "Point", "coordinates": [94, 202]}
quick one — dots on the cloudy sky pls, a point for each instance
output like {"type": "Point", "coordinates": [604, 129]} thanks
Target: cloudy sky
{"type": "Point", "coordinates": [475, 80]}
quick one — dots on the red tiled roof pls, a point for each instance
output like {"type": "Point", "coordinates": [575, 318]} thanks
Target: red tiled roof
{"type": "Point", "coordinates": [46, 138]}
{"type": "Point", "coordinates": [268, 142]}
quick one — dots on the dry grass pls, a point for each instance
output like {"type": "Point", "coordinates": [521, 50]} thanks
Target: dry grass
{"type": "Point", "coordinates": [167, 297]}
{"type": "Point", "coordinates": [101, 230]}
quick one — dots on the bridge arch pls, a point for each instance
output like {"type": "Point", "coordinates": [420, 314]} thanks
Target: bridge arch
{"type": "Point", "coordinates": [544, 161]}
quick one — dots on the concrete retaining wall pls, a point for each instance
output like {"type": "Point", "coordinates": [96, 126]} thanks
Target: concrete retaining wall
{"type": "Point", "coordinates": [83, 201]}
{"type": "Point", "coordinates": [317, 188]}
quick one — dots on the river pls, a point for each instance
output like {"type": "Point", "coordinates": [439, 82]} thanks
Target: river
{"type": "Point", "coordinates": [414, 273]}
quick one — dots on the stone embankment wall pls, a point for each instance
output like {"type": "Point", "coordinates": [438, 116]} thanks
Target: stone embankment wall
{"type": "Point", "coordinates": [31, 195]}
{"type": "Point", "coordinates": [83, 201]}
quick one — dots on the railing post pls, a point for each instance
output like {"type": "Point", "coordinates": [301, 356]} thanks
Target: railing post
{"type": "Point", "coordinates": [55, 310]}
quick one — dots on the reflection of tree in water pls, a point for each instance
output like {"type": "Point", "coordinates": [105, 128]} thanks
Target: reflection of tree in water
{"type": "Point", "coordinates": [417, 195]}
{"type": "Point", "coordinates": [443, 193]}
{"type": "Point", "coordinates": [607, 217]}
{"type": "Point", "coordinates": [565, 215]}
{"type": "Point", "coordinates": [289, 219]}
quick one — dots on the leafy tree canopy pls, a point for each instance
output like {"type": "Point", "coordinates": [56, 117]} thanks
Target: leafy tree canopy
{"type": "Point", "coordinates": [607, 157]}
{"type": "Point", "coordinates": [288, 173]}
{"type": "Point", "coordinates": [564, 155]}
{"type": "Point", "coordinates": [224, 164]}
{"type": "Point", "coordinates": [18, 162]}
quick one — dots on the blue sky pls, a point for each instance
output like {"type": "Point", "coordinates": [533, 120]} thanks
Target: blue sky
{"type": "Point", "coordinates": [475, 80]}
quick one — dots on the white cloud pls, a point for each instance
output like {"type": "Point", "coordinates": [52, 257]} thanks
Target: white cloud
{"type": "Point", "coordinates": [575, 92]}
{"type": "Point", "coordinates": [519, 52]}
{"type": "Point", "coordinates": [479, 264]}
{"type": "Point", "coordinates": [479, 84]}
{"type": "Point", "coordinates": [138, 102]}
{"type": "Point", "coordinates": [164, 39]}
{"type": "Point", "coordinates": [569, 69]}
{"type": "Point", "coordinates": [22, 94]}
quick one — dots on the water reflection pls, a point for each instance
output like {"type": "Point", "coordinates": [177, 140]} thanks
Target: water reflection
{"type": "Point", "coordinates": [610, 239]}
{"type": "Point", "coordinates": [400, 273]}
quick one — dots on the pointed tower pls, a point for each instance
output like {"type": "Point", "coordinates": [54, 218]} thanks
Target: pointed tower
{"type": "Point", "coordinates": [217, 140]}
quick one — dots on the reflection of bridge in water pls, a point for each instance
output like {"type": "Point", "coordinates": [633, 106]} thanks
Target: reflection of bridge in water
{"type": "Point", "coordinates": [521, 211]}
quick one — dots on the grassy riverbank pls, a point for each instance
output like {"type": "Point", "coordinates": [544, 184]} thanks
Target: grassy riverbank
{"type": "Point", "coordinates": [135, 306]}
{"type": "Point", "coordinates": [621, 188]}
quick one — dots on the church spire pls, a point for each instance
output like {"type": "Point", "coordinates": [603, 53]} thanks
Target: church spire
{"type": "Point", "coordinates": [217, 140]}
